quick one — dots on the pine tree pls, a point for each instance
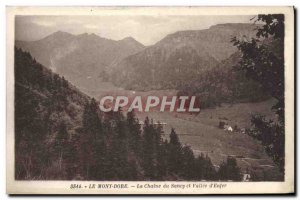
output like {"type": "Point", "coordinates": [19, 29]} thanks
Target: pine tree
{"type": "Point", "coordinates": [209, 169]}
{"type": "Point", "coordinates": [92, 141]}
{"type": "Point", "coordinates": [148, 149]}
{"type": "Point", "coordinates": [134, 133]}
{"type": "Point", "coordinates": [188, 163]}
{"type": "Point", "coordinates": [162, 157]}
{"type": "Point", "coordinates": [174, 153]}
{"type": "Point", "coordinates": [199, 167]}
{"type": "Point", "coordinates": [229, 170]}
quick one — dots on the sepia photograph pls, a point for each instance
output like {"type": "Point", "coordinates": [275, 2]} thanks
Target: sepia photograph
{"type": "Point", "coordinates": [164, 100]}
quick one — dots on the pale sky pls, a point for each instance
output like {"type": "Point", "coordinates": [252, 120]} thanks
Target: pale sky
{"type": "Point", "coordinates": [145, 29]}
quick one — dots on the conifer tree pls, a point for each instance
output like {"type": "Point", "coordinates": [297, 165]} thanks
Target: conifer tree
{"type": "Point", "coordinates": [174, 153]}
{"type": "Point", "coordinates": [229, 170]}
{"type": "Point", "coordinates": [92, 141]}
{"type": "Point", "coordinates": [148, 149]}
{"type": "Point", "coordinates": [188, 163]}
{"type": "Point", "coordinates": [134, 131]}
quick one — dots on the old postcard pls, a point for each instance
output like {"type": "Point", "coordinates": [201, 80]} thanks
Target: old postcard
{"type": "Point", "coordinates": [150, 100]}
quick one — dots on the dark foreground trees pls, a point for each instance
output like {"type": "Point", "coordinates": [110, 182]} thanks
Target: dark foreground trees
{"type": "Point", "coordinates": [263, 61]}
{"type": "Point", "coordinates": [125, 150]}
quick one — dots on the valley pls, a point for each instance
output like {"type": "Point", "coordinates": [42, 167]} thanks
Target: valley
{"type": "Point", "coordinates": [201, 131]}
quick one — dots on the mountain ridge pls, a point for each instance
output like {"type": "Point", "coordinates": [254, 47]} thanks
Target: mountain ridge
{"type": "Point", "coordinates": [88, 59]}
{"type": "Point", "coordinates": [80, 58]}
{"type": "Point", "coordinates": [180, 55]}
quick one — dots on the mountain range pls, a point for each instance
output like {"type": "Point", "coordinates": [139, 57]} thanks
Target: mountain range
{"type": "Point", "coordinates": [79, 58]}
{"type": "Point", "coordinates": [87, 60]}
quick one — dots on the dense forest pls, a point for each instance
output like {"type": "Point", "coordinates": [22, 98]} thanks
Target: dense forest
{"type": "Point", "coordinates": [60, 134]}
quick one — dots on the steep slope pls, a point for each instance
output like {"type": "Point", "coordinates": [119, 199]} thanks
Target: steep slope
{"type": "Point", "coordinates": [179, 57]}
{"type": "Point", "coordinates": [82, 59]}
{"type": "Point", "coordinates": [44, 104]}
{"type": "Point", "coordinates": [55, 99]}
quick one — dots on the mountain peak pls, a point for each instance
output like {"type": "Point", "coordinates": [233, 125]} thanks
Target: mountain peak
{"type": "Point", "coordinates": [91, 36]}
{"type": "Point", "coordinates": [88, 34]}
{"type": "Point", "coordinates": [234, 25]}
{"type": "Point", "coordinates": [61, 33]}
{"type": "Point", "coordinates": [131, 40]}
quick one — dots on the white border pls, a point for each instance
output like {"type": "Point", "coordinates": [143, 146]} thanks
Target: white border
{"type": "Point", "coordinates": [61, 187]}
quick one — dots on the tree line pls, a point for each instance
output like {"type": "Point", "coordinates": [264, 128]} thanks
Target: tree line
{"type": "Point", "coordinates": [111, 146]}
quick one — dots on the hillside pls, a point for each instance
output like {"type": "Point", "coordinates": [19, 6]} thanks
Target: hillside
{"type": "Point", "coordinates": [179, 57]}
{"type": "Point", "coordinates": [199, 62]}
{"type": "Point", "coordinates": [66, 54]}
{"type": "Point", "coordinates": [44, 103]}
{"type": "Point", "coordinates": [54, 98]}
{"type": "Point", "coordinates": [223, 84]}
